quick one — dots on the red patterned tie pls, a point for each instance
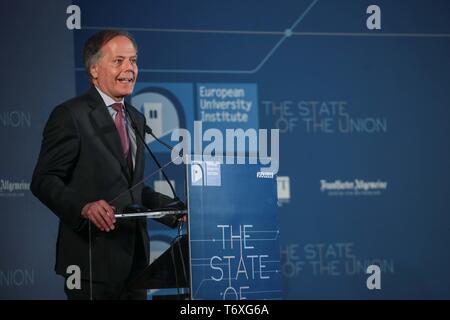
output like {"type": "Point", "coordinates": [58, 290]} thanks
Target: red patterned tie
{"type": "Point", "coordinates": [121, 128]}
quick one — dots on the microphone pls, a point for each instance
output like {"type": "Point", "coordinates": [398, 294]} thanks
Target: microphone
{"type": "Point", "coordinates": [177, 202]}
{"type": "Point", "coordinates": [148, 130]}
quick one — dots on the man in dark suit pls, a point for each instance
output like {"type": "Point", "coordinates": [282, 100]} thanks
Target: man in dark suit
{"type": "Point", "coordinates": [91, 164]}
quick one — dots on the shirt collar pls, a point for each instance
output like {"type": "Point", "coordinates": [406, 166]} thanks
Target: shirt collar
{"type": "Point", "coordinates": [107, 99]}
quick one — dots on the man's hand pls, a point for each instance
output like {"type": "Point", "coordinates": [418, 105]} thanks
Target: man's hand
{"type": "Point", "coordinates": [100, 213]}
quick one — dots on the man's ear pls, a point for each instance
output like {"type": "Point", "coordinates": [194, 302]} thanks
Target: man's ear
{"type": "Point", "coordinates": [94, 71]}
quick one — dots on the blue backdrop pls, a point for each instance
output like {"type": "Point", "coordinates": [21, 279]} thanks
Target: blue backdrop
{"type": "Point", "coordinates": [363, 118]}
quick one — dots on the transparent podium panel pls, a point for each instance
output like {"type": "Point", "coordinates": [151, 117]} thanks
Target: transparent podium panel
{"type": "Point", "coordinates": [233, 230]}
{"type": "Point", "coordinates": [148, 248]}
{"type": "Point", "coordinates": [229, 249]}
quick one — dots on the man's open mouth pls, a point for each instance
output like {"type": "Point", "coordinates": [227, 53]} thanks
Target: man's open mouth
{"type": "Point", "coordinates": [125, 79]}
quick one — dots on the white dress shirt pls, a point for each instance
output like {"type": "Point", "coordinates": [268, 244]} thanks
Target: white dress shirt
{"type": "Point", "coordinates": [132, 136]}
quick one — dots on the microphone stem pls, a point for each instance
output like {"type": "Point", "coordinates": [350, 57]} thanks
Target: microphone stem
{"type": "Point", "coordinates": [133, 123]}
{"type": "Point", "coordinates": [150, 131]}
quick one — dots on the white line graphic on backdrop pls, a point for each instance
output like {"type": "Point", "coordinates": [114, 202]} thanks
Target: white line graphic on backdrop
{"type": "Point", "coordinates": [287, 33]}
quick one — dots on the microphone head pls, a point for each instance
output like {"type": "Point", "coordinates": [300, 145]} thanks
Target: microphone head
{"type": "Point", "coordinates": [148, 130]}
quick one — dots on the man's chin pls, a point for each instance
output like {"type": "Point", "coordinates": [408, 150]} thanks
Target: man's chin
{"type": "Point", "coordinates": [125, 92]}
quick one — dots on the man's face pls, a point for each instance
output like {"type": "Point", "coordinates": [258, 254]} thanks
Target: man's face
{"type": "Point", "coordinates": [116, 70]}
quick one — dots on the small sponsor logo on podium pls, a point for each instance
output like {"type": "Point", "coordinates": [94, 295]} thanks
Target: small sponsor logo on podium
{"type": "Point", "coordinates": [206, 173]}
{"type": "Point", "coordinates": [283, 189]}
{"type": "Point", "coordinates": [264, 175]}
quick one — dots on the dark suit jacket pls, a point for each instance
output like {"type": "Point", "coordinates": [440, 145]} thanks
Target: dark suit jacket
{"type": "Point", "coordinates": [81, 161]}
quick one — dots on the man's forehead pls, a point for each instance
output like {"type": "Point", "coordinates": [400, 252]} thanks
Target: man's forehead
{"type": "Point", "coordinates": [120, 43]}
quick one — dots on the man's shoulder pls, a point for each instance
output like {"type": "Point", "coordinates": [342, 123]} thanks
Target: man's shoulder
{"type": "Point", "coordinates": [77, 105]}
{"type": "Point", "coordinates": [77, 102]}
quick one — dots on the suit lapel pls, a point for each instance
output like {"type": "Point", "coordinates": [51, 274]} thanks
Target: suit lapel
{"type": "Point", "coordinates": [103, 122]}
